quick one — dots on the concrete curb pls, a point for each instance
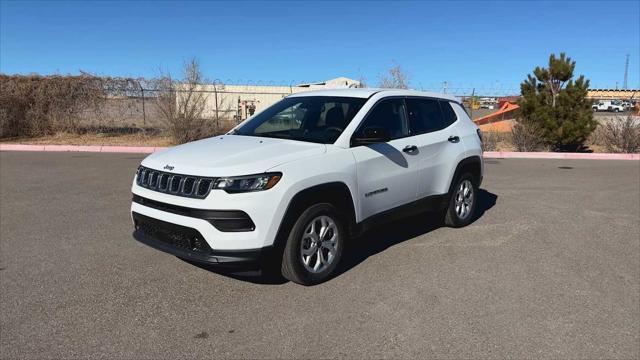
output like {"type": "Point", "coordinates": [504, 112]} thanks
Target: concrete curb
{"type": "Point", "coordinates": [150, 149]}
{"type": "Point", "coordinates": [554, 155]}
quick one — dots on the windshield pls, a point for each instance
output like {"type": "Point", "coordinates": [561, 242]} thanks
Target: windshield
{"type": "Point", "coordinates": [319, 119]}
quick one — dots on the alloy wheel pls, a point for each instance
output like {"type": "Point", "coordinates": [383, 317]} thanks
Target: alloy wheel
{"type": "Point", "coordinates": [319, 244]}
{"type": "Point", "coordinates": [464, 199]}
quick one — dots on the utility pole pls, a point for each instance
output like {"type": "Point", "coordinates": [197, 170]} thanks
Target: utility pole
{"type": "Point", "coordinates": [144, 112]}
{"type": "Point", "coordinates": [626, 73]}
{"type": "Point", "coordinates": [473, 99]}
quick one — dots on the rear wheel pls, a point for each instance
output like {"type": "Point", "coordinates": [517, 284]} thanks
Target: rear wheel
{"type": "Point", "coordinates": [314, 246]}
{"type": "Point", "coordinates": [462, 203]}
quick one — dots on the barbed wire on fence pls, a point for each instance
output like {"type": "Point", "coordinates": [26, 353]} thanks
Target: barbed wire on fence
{"type": "Point", "coordinates": [132, 102]}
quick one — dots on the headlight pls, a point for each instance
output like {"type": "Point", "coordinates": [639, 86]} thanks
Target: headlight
{"type": "Point", "coordinates": [238, 184]}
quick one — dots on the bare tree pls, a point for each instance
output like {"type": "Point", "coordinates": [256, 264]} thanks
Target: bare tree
{"type": "Point", "coordinates": [395, 79]}
{"type": "Point", "coordinates": [182, 103]}
{"type": "Point", "coordinates": [362, 82]}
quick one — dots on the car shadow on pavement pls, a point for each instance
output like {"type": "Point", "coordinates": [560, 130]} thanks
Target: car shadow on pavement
{"type": "Point", "coordinates": [368, 244]}
{"type": "Point", "coordinates": [381, 238]}
{"type": "Point", "coordinates": [254, 276]}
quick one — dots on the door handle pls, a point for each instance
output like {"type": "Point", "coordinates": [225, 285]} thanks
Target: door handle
{"type": "Point", "coordinates": [410, 148]}
{"type": "Point", "coordinates": [454, 139]}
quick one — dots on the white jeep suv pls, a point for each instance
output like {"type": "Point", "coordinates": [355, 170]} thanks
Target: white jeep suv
{"type": "Point", "coordinates": [292, 184]}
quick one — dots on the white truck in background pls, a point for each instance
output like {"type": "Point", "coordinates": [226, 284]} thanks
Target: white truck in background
{"type": "Point", "coordinates": [608, 105]}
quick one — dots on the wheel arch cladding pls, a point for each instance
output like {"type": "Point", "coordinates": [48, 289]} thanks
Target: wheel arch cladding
{"type": "Point", "coordinates": [335, 193]}
{"type": "Point", "coordinates": [471, 165]}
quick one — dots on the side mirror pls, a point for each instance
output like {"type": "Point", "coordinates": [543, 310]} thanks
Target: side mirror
{"type": "Point", "coordinates": [371, 135]}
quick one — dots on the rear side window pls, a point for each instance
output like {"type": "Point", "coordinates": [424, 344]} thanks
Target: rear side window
{"type": "Point", "coordinates": [388, 114]}
{"type": "Point", "coordinates": [428, 115]}
{"type": "Point", "coordinates": [425, 115]}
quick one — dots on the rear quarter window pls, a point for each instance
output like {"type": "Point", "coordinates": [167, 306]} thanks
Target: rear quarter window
{"type": "Point", "coordinates": [449, 114]}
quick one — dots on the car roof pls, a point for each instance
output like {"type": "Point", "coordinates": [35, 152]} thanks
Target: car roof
{"type": "Point", "coordinates": [368, 92]}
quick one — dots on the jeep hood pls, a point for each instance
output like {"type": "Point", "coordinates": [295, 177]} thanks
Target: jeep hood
{"type": "Point", "coordinates": [231, 155]}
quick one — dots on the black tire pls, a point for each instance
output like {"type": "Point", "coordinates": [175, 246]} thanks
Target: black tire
{"type": "Point", "coordinates": [293, 267]}
{"type": "Point", "coordinates": [452, 217]}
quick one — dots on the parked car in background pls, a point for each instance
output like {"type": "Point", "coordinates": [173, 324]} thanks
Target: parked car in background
{"type": "Point", "coordinates": [608, 105]}
{"type": "Point", "coordinates": [488, 103]}
{"type": "Point", "coordinates": [292, 184]}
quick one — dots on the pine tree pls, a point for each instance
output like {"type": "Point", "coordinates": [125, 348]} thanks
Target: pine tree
{"type": "Point", "coordinates": [556, 104]}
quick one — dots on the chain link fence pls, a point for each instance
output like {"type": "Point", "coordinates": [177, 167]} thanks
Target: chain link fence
{"type": "Point", "coordinates": [229, 104]}
{"type": "Point", "coordinates": [128, 103]}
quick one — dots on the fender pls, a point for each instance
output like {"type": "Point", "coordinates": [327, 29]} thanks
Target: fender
{"type": "Point", "coordinates": [336, 193]}
{"type": "Point", "coordinates": [473, 164]}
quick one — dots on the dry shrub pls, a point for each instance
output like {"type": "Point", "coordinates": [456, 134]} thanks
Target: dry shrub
{"type": "Point", "coordinates": [493, 140]}
{"type": "Point", "coordinates": [13, 113]}
{"type": "Point", "coordinates": [182, 104]}
{"type": "Point", "coordinates": [619, 135]}
{"type": "Point", "coordinates": [526, 137]}
{"type": "Point", "coordinates": [490, 140]}
{"type": "Point", "coordinates": [40, 105]}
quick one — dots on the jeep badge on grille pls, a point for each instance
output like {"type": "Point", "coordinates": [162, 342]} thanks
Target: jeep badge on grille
{"type": "Point", "coordinates": [168, 167]}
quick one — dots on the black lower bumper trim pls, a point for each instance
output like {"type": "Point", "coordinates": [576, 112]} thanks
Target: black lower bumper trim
{"type": "Point", "coordinates": [223, 220]}
{"type": "Point", "coordinates": [244, 258]}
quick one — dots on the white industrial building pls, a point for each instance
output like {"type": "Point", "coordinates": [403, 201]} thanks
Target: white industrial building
{"type": "Point", "coordinates": [237, 102]}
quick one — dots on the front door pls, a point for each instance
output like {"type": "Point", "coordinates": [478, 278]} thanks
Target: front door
{"type": "Point", "coordinates": [386, 172]}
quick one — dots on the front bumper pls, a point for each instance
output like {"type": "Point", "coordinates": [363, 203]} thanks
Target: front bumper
{"type": "Point", "coordinates": [187, 243]}
{"type": "Point", "coordinates": [228, 222]}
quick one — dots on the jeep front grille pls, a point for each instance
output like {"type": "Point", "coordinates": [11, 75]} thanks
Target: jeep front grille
{"type": "Point", "coordinates": [174, 184]}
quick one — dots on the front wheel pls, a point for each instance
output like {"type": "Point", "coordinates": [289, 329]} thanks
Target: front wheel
{"type": "Point", "coordinates": [462, 203]}
{"type": "Point", "coordinates": [314, 246]}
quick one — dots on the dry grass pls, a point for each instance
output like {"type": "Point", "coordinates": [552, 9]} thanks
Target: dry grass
{"type": "Point", "coordinates": [497, 141]}
{"type": "Point", "coordinates": [62, 138]}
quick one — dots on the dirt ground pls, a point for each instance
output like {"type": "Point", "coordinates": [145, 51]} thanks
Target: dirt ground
{"type": "Point", "coordinates": [135, 139]}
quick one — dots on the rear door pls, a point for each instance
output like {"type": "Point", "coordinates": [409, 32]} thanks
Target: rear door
{"type": "Point", "coordinates": [386, 172]}
{"type": "Point", "coordinates": [433, 124]}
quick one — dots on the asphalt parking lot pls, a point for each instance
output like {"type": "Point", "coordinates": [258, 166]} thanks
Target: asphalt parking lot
{"type": "Point", "coordinates": [550, 269]}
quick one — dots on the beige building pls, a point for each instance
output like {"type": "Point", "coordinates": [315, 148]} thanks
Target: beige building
{"type": "Point", "coordinates": [618, 94]}
{"type": "Point", "coordinates": [238, 102]}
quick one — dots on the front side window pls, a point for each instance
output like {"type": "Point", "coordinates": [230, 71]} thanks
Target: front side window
{"type": "Point", "coordinates": [390, 115]}
{"type": "Point", "coordinates": [319, 119]}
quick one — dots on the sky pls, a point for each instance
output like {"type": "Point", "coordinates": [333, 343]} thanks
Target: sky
{"type": "Point", "coordinates": [466, 44]}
